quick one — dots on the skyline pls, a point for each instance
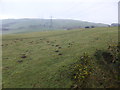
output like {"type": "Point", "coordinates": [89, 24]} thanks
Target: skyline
{"type": "Point", "coordinates": [98, 11]}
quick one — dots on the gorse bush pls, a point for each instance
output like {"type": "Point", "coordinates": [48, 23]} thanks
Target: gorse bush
{"type": "Point", "coordinates": [109, 56]}
{"type": "Point", "coordinates": [81, 70]}
{"type": "Point", "coordinates": [114, 49]}
{"type": "Point", "coordinates": [102, 69]}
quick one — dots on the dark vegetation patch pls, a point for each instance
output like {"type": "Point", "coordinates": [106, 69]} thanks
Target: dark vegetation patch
{"type": "Point", "coordinates": [87, 27]}
{"type": "Point", "coordinates": [60, 54]}
{"type": "Point", "coordinates": [102, 70]}
{"type": "Point", "coordinates": [48, 41]}
{"type": "Point", "coordinates": [68, 46]}
{"type": "Point", "coordinates": [59, 47]}
{"type": "Point", "coordinates": [24, 56]}
{"type": "Point", "coordinates": [57, 51]}
{"type": "Point", "coordinates": [56, 45]}
{"type": "Point", "coordinates": [6, 58]}
{"type": "Point", "coordinates": [111, 55]}
{"type": "Point", "coordinates": [20, 61]}
{"type": "Point", "coordinates": [69, 43]}
{"type": "Point", "coordinates": [31, 42]}
{"type": "Point", "coordinates": [107, 57]}
{"type": "Point", "coordinates": [96, 38]}
{"type": "Point", "coordinates": [6, 68]}
{"type": "Point", "coordinates": [103, 56]}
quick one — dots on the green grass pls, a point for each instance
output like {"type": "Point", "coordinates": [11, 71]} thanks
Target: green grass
{"type": "Point", "coordinates": [41, 68]}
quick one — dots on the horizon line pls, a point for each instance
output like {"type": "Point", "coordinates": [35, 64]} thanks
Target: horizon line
{"type": "Point", "coordinates": [61, 19]}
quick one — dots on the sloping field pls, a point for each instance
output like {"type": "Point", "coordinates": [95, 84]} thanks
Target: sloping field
{"type": "Point", "coordinates": [34, 60]}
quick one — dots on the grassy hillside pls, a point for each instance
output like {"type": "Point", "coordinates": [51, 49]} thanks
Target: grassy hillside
{"type": "Point", "coordinates": [34, 60]}
{"type": "Point", "coordinates": [34, 25]}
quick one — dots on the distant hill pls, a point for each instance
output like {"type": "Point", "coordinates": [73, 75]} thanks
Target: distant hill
{"type": "Point", "coordinates": [34, 25]}
{"type": "Point", "coordinates": [115, 24]}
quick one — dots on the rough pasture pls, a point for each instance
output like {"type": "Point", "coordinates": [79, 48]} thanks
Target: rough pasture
{"type": "Point", "coordinates": [34, 60]}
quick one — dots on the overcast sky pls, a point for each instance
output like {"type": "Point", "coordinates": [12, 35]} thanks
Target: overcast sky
{"type": "Point", "coordinates": [100, 11]}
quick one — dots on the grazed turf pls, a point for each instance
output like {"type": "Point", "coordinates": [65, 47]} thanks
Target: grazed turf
{"type": "Point", "coordinates": [31, 61]}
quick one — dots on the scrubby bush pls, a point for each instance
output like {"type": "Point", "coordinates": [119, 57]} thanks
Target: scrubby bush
{"type": "Point", "coordinates": [100, 70]}
{"type": "Point", "coordinates": [110, 59]}
{"type": "Point", "coordinates": [81, 70]}
{"type": "Point", "coordinates": [92, 26]}
{"type": "Point", "coordinates": [110, 55]}
{"type": "Point", "coordinates": [87, 27]}
{"type": "Point", "coordinates": [114, 49]}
